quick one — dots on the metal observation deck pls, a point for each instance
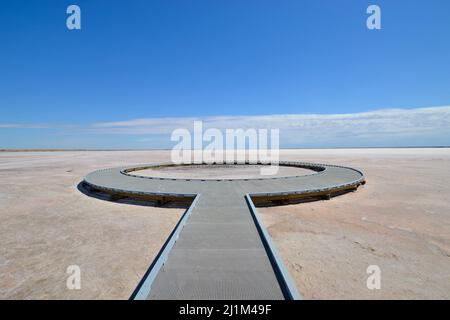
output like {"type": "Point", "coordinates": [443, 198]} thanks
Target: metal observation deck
{"type": "Point", "coordinates": [219, 248]}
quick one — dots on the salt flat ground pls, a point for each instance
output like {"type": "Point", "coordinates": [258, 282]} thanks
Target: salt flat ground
{"type": "Point", "coordinates": [400, 221]}
{"type": "Point", "coordinates": [47, 224]}
{"type": "Point", "coordinates": [222, 171]}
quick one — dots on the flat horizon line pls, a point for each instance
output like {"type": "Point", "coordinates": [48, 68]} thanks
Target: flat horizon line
{"type": "Point", "coordinates": [168, 149]}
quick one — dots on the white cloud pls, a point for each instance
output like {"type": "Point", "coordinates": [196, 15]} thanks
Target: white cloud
{"type": "Point", "coordinates": [321, 129]}
{"type": "Point", "coordinates": [22, 126]}
{"type": "Point", "coordinates": [386, 127]}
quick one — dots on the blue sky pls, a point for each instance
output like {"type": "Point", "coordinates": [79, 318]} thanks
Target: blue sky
{"type": "Point", "coordinates": [175, 61]}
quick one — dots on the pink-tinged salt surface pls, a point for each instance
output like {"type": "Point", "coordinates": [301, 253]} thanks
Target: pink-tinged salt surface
{"type": "Point", "coordinates": [47, 225]}
{"type": "Point", "coordinates": [400, 221]}
{"type": "Point", "coordinates": [222, 171]}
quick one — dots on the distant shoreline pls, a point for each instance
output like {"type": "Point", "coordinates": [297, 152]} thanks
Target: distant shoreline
{"type": "Point", "coordinates": [299, 148]}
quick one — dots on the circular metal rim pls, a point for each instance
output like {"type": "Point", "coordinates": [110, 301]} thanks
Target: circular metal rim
{"type": "Point", "coordinates": [318, 168]}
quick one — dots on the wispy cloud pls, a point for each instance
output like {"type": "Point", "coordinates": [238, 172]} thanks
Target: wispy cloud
{"type": "Point", "coordinates": [22, 126]}
{"type": "Point", "coordinates": [297, 129]}
{"type": "Point", "coordinates": [399, 127]}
